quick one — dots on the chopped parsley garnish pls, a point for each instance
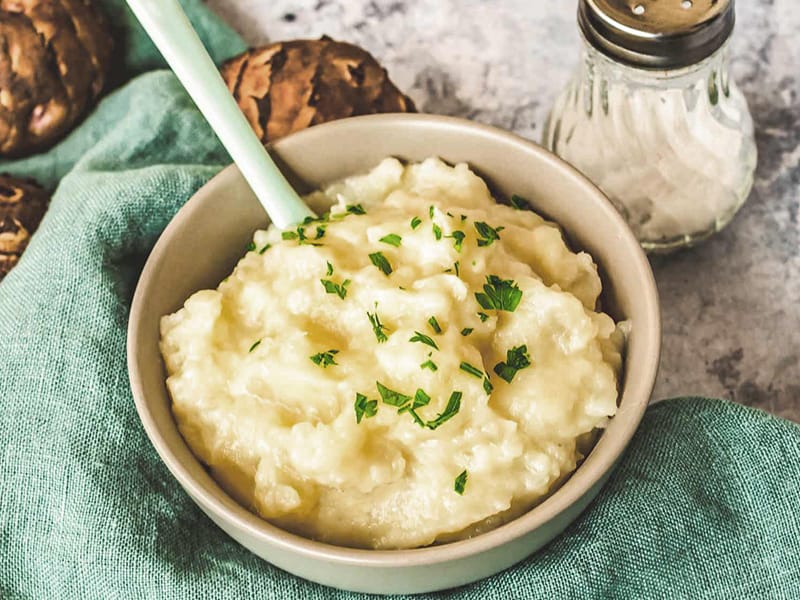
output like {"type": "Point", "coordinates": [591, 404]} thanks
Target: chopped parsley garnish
{"type": "Point", "coordinates": [437, 231]}
{"type": "Point", "coordinates": [365, 408]}
{"type": "Point", "coordinates": [517, 358]}
{"type": "Point", "coordinates": [324, 359]}
{"type": "Point", "coordinates": [415, 222]}
{"type": "Point", "coordinates": [520, 203]}
{"type": "Point", "coordinates": [461, 482]}
{"type": "Point", "coordinates": [452, 408]}
{"type": "Point", "coordinates": [430, 211]}
{"type": "Point", "coordinates": [392, 239]}
{"type": "Point", "coordinates": [468, 368]}
{"type": "Point", "coordinates": [254, 346]}
{"type": "Point", "coordinates": [424, 339]}
{"type": "Point", "coordinates": [420, 399]}
{"type": "Point", "coordinates": [449, 214]}
{"type": "Point", "coordinates": [466, 331]}
{"type": "Point", "coordinates": [355, 209]}
{"type": "Point", "coordinates": [487, 385]}
{"type": "Point", "coordinates": [251, 246]}
{"type": "Point", "coordinates": [458, 239]}
{"type": "Point", "coordinates": [483, 316]}
{"type": "Point", "coordinates": [457, 267]}
{"type": "Point", "coordinates": [300, 235]}
{"type": "Point", "coordinates": [487, 234]}
{"type": "Point", "coordinates": [391, 397]}
{"type": "Point", "coordinates": [463, 218]}
{"type": "Point", "coordinates": [330, 269]}
{"type": "Point", "coordinates": [429, 364]}
{"type": "Point", "coordinates": [499, 294]}
{"type": "Point", "coordinates": [265, 248]}
{"type": "Point", "coordinates": [410, 405]}
{"type": "Point", "coordinates": [380, 261]}
{"type": "Point", "coordinates": [434, 325]}
{"type": "Point", "coordinates": [335, 288]}
{"type": "Point", "coordinates": [379, 328]}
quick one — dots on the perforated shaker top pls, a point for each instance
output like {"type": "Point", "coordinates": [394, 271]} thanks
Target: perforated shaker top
{"type": "Point", "coordinates": [657, 34]}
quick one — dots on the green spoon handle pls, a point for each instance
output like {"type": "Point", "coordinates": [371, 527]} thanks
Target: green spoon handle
{"type": "Point", "coordinates": [173, 34]}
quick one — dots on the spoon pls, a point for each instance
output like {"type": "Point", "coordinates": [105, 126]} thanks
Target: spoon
{"type": "Point", "coordinates": [173, 34]}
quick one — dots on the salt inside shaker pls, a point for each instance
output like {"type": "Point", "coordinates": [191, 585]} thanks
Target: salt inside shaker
{"type": "Point", "coordinates": [654, 119]}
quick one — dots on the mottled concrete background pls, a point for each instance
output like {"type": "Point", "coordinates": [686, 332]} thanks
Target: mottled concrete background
{"type": "Point", "coordinates": [731, 307]}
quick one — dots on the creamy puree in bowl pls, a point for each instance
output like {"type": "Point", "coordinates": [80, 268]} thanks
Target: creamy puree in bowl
{"type": "Point", "coordinates": [418, 366]}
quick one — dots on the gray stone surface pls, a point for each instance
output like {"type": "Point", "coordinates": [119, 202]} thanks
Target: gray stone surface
{"type": "Point", "coordinates": [732, 306]}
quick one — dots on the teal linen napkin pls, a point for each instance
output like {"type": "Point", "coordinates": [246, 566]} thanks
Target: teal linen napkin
{"type": "Point", "coordinates": [704, 504]}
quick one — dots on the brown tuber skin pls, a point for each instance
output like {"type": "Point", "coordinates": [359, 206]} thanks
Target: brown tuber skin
{"type": "Point", "coordinates": [22, 206]}
{"type": "Point", "coordinates": [54, 60]}
{"type": "Point", "coordinates": [288, 86]}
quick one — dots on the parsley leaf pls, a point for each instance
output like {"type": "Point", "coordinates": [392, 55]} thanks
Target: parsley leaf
{"type": "Point", "coordinates": [335, 288]}
{"type": "Point", "coordinates": [517, 358]}
{"type": "Point", "coordinates": [434, 325]}
{"type": "Point", "coordinates": [430, 211]}
{"type": "Point", "coordinates": [468, 368]}
{"type": "Point", "coordinates": [251, 246]}
{"type": "Point", "coordinates": [520, 203]}
{"type": "Point", "coordinates": [461, 482]}
{"type": "Point", "coordinates": [391, 397]}
{"type": "Point", "coordinates": [499, 294]}
{"type": "Point", "coordinates": [457, 267]}
{"type": "Point", "coordinates": [324, 359]}
{"type": "Point", "coordinates": [380, 261]}
{"type": "Point", "coordinates": [466, 331]}
{"type": "Point", "coordinates": [254, 346]}
{"type": "Point", "coordinates": [265, 248]}
{"type": "Point", "coordinates": [429, 364]}
{"type": "Point", "coordinates": [487, 386]}
{"type": "Point", "coordinates": [392, 239]}
{"type": "Point", "coordinates": [330, 269]}
{"type": "Point", "coordinates": [420, 399]}
{"type": "Point", "coordinates": [300, 235]}
{"type": "Point", "coordinates": [415, 222]}
{"type": "Point", "coordinates": [379, 328]}
{"type": "Point", "coordinates": [365, 408]}
{"type": "Point", "coordinates": [437, 231]}
{"type": "Point", "coordinates": [483, 316]}
{"type": "Point", "coordinates": [355, 209]}
{"type": "Point", "coordinates": [421, 337]}
{"type": "Point", "coordinates": [452, 408]}
{"type": "Point", "coordinates": [487, 233]}
{"type": "Point", "coordinates": [458, 237]}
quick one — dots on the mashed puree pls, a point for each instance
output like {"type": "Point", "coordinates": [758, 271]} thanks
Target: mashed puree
{"type": "Point", "coordinates": [418, 366]}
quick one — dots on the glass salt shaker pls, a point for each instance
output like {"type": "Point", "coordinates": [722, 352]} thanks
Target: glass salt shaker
{"type": "Point", "coordinates": [654, 119]}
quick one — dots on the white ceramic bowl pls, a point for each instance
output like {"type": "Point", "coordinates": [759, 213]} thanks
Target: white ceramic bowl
{"type": "Point", "coordinates": [205, 240]}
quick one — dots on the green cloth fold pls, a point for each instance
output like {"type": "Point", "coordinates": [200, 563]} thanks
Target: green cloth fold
{"type": "Point", "coordinates": [704, 504]}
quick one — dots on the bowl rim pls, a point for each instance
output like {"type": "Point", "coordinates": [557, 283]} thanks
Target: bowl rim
{"type": "Point", "coordinates": [589, 473]}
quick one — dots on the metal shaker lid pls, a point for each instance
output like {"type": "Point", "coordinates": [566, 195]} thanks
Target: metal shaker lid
{"type": "Point", "coordinates": [657, 34]}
